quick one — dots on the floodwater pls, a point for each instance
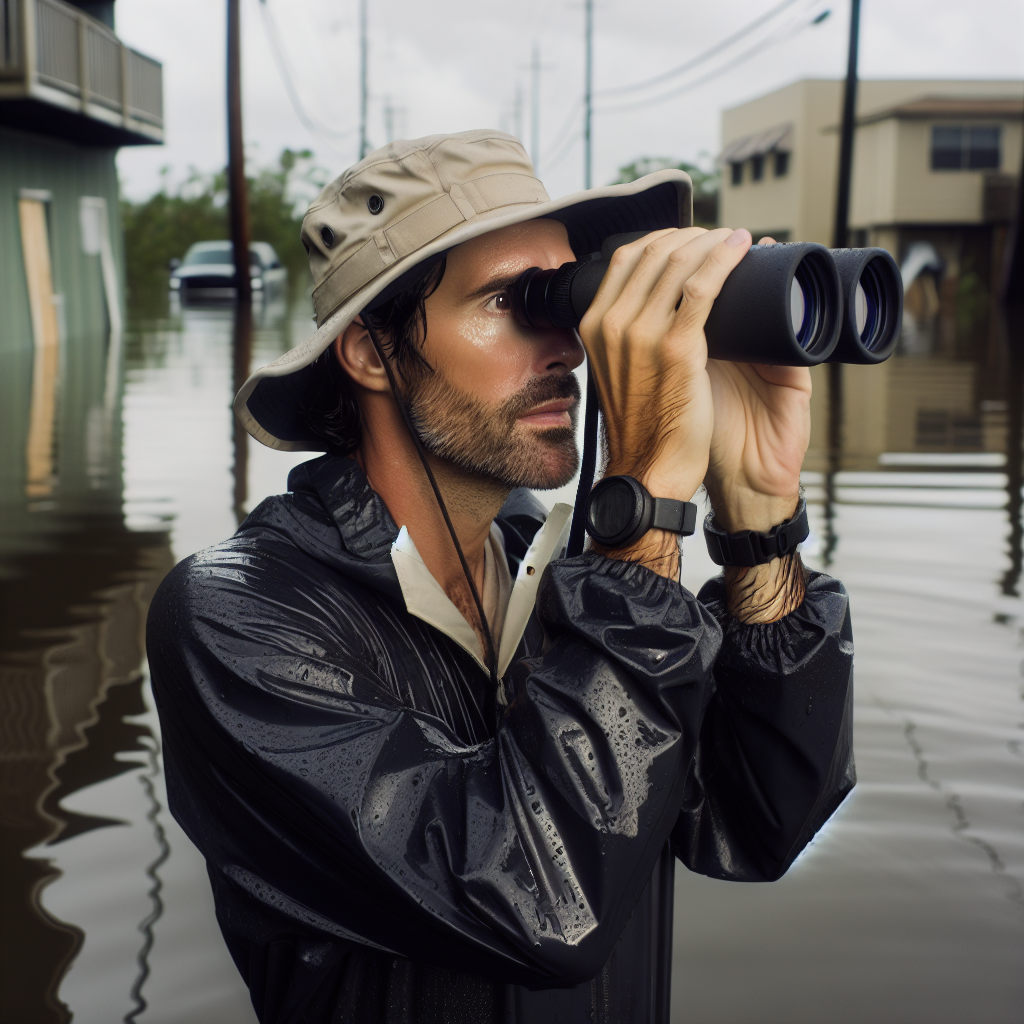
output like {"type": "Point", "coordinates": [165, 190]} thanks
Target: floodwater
{"type": "Point", "coordinates": [908, 907]}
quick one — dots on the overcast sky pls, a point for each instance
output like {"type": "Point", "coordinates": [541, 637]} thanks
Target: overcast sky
{"type": "Point", "coordinates": [451, 65]}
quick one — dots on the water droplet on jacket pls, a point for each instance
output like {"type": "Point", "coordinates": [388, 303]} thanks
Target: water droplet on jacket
{"type": "Point", "coordinates": [622, 712]}
{"type": "Point", "coordinates": [536, 806]}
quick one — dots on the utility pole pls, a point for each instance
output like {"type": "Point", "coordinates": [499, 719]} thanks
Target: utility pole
{"type": "Point", "coordinates": [389, 120]}
{"type": "Point", "coordinates": [535, 104]}
{"type": "Point", "coordinates": [840, 238]}
{"type": "Point", "coordinates": [363, 91]}
{"type": "Point", "coordinates": [588, 89]}
{"type": "Point", "coordinates": [238, 200]}
{"type": "Point", "coordinates": [517, 113]}
{"type": "Point", "coordinates": [841, 228]}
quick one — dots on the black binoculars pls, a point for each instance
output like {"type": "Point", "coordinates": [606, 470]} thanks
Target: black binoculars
{"type": "Point", "coordinates": [792, 304]}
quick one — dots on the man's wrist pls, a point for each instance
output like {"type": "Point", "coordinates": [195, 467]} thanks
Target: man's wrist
{"type": "Point", "coordinates": [657, 550]}
{"type": "Point", "coordinates": [741, 508]}
{"type": "Point", "coordinates": [763, 594]}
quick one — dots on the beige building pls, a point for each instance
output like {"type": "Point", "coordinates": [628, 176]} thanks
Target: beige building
{"type": "Point", "coordinates": [935, 153]}
{"type": "Point", "coordinates": [935, 167]}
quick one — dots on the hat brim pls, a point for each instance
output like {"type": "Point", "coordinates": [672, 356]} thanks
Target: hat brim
{"type": "Point", "coordinates": [269, 404]}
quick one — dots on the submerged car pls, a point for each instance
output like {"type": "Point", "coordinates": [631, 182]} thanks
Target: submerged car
{"type": "Point", "coordinates": [208, 270]}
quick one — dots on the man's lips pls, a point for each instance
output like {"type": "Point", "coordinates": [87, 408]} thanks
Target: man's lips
{"type": "Point", "coordinates": [553, 413]}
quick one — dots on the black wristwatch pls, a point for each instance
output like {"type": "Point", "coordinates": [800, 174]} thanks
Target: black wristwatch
{"type": "Point", "coordinates": [620, 510]}
{"type": "Point", "coordinates": [747, 547]}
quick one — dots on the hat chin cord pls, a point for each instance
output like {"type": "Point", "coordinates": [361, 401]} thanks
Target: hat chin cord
{"type": "Point", "coordinates": [492, 654]}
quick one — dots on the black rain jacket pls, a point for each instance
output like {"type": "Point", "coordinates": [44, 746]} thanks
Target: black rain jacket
{"type": "Point", "coordinates": [388, 843]}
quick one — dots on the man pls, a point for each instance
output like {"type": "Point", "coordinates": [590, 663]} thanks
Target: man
{"type": "Point", "coordinates": [443, 774]}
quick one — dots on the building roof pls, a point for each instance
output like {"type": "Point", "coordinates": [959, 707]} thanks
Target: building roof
{"type": "Point", "coordinates": [950, 106]}
{"type": "Point", "coordinates": [778, 139]}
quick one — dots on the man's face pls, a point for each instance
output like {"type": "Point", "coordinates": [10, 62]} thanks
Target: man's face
{"type": "Point", "coordinates": [502, 400]}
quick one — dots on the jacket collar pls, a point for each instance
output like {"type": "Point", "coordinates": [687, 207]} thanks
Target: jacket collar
{"type": "Point", "coordinates": [371, 546]}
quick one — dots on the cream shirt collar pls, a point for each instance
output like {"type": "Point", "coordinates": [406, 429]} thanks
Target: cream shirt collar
{"type": "Point", "coordinates": [425, 597]}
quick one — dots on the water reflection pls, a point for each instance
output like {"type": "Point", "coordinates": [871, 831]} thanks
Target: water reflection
{"type": "Point", "coordinates": [906, 908]}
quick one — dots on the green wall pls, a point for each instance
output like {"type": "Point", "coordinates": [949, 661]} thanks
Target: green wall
{"type": "Point", "coordinates": [67, 171]}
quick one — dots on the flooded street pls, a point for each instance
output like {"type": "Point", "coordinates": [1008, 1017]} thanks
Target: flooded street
{"type": "Point", "coordinates": [908, 907]}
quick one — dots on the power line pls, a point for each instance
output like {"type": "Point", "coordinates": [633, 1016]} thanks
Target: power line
{"type": "Point", "coordinates": [588, 91]}
{"type": "Point", "coordinates": [284, 70]}
{"type": "Point", "coordinates": [568, 139]}
{"type": "Point", "coordinates": [757, 48]}
{"type": "Point", "coordinates": [363, 69]}
{"type": "Point", "coordinates": [701, 57]}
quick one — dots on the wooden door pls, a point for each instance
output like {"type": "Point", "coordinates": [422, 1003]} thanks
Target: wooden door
{"type": "Point", "coordinates": [35, 248]}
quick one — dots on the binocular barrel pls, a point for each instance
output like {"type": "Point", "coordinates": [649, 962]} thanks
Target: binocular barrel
{"type": "Point", "coordinates": [793, 304]}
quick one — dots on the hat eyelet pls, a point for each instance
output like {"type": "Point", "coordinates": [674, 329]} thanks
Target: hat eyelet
{"type": "Point", "coordinates": [375, 204]}
{"type": "Point", "coordinates": [327, 235]}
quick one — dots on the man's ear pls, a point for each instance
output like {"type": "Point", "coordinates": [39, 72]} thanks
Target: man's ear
{"type": "Point", "coordinates": [358, 358]}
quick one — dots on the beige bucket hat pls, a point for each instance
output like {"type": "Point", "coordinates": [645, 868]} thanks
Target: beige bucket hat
{"type": "Point", "coordinates": [370, 229]}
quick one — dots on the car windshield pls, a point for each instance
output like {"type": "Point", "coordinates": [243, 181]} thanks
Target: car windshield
{"type": "Point", "coordinates": [219, 253]}
{"type": "Point", "coordinates": [208, 254]}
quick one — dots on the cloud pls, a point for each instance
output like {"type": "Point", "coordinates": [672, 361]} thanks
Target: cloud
{"type": "Point", "coordinates": [449, 65]}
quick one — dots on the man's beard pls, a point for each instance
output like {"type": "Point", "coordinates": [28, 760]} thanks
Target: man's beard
{"type": "Point", "coordinates": [490, 441]}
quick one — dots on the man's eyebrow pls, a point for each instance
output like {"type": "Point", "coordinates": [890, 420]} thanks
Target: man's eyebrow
{"type": "Point", "coordinates": [496, 284]}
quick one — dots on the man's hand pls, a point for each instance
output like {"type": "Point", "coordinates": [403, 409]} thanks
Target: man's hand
{"type": "Point", "coordinates": [762, 428]}
{"type": "Point", "coordinates": [674, 418]}
{"type": "Point", "coordinates": [644, 334]}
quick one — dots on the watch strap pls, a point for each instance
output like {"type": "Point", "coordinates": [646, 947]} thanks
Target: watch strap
{"type": "Point", "coordinates": [634, 511]}
{"type": "Point", "coordinates": [677, 516]}
{"type": "Point", "coordinates": [748, 547]}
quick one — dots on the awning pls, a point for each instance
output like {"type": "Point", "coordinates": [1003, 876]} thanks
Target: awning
{"type": "Point", "coordinates": [773, 140]}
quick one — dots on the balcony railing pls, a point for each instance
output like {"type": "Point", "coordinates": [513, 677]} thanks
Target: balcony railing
{"type": "Point", "coordinates": [53, 53]}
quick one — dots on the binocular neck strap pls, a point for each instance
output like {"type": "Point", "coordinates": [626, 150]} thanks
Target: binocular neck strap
{"type": "Point", "coordinates": [492, 653]}
{"type": "Point", "coordinates": [588, 464]}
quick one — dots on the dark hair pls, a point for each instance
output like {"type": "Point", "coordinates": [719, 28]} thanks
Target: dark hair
{"type": "Point", "coordinates": [331, 412]}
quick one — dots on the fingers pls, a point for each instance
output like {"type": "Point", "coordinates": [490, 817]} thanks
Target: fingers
{"type": "Point", "coordinates": [701, 288]}
{"type": "Point", "coordinates": [635, 269]}
{"type": "Point", "coordinates": [767, 240]}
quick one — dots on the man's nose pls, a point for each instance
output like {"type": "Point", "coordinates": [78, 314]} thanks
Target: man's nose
{"type": "Point", "coordinates": [556, 350]}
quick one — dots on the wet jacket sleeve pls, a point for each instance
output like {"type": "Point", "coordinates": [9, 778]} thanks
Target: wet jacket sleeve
{"type": "Point", "coordinates": [775, 754]}
{"type": "Point", "coordinates": [298, 770]}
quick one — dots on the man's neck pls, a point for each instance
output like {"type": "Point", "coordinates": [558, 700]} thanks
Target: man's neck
{"type": "Point", "coordinates": [394, 471]}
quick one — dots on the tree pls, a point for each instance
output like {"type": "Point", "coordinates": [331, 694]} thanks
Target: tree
{"type": "Point", "coordinates": [705, 184]}
{"type": "Point", "coordinates": [167, 223]}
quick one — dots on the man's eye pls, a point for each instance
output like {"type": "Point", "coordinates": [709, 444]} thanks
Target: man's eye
{"type": "Point", "coordinates": [500, 303]}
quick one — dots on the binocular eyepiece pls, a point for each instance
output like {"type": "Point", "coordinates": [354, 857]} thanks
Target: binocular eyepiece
{"type": "Point", "coordinates": [794, 304]}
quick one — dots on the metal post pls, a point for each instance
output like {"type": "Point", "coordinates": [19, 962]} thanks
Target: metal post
{"type": "Point", "coordinates": [535, 105]}
{"type": "Point", "coordinates": [840, 235]}
{"type": "Point", "coordinates": [238, 200]}
{"type": "Point", "coordinates": [363, 91]}
{"type": "Point", "coordinates": [588, 90]}
{"type": "Point", "coordinates": [841, 228]}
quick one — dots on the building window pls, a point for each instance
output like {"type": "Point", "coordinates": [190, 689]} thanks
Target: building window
{"type": "Point", "coordinates": [737, 173]}
{"type": "Point", "coordinates": [781, 165]}
{"type": "Point", "coordinates": [957, 148]}
{"type": "Point", "coordinates": [756, 168]}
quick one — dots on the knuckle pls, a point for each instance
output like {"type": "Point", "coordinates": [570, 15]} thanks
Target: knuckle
{"type": "Point", "coordinates": [612, 325]}
{"type": "Point", "coordinates": [679, 257]}
{"type": "Point", "coordinates": [696, 290]}
{"type": "Point", "coordinates": [620, 258]}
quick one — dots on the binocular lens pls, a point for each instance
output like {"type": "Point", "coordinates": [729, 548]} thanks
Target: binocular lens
{"type": "Point", "coordinates": [805, 307]}
{"type": "Point", "coordinates": [867, 307]}
{"type": "Point", "coordinates": [797, 309]}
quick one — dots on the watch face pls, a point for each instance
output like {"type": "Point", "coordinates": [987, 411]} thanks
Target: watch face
{"type": "Point", "coordinates": [613, 511]}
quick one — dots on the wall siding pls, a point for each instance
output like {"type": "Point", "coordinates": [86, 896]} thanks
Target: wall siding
{"type": "Point", "coordinates": [67, 171]}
